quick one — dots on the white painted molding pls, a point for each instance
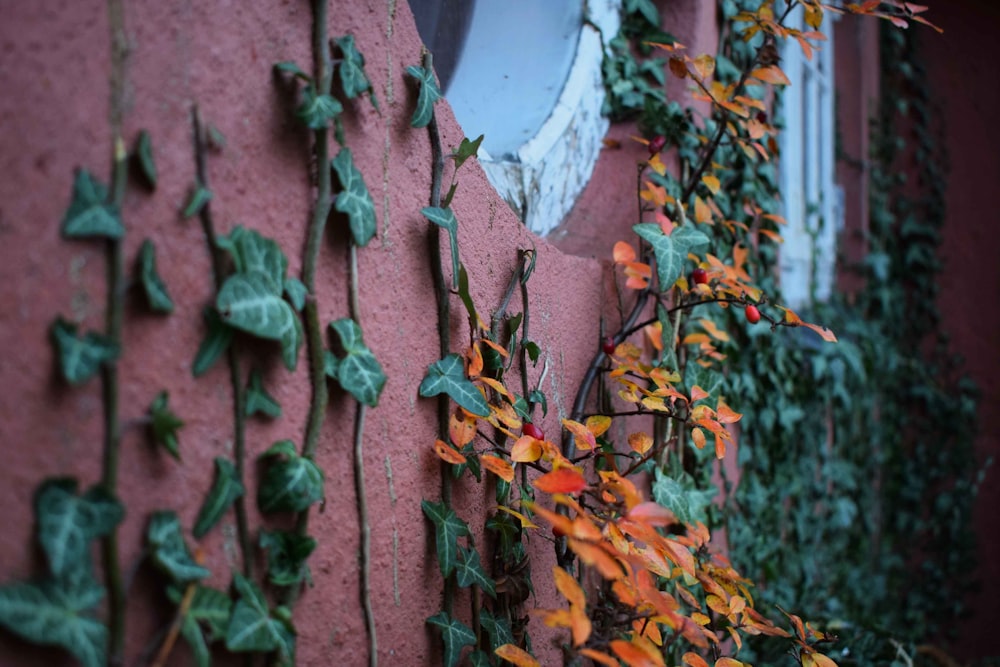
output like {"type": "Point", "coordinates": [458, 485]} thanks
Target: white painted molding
{"type": "Point", "coordinates": [542, 181]}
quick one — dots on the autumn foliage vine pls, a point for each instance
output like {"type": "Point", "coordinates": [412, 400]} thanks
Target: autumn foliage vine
{"type": "Point", "coordinates": [641, 583]}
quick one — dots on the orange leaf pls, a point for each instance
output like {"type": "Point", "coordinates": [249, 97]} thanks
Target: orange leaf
{"type": "Point", "coordinates": [640, 442]}
{"type": "Point", "coordinates": [526, 450]}
{"type": "Point", "coordinates": [697, 393]}
{"type": "Point", "coordinates": [461, 431]}
{"type": "Point", "coordinates": [702, 213]}
{"type": "Point", "coordinates": [713, 330]}
{"type": "Point", "coordinates": [623, 252]}
{"type": "Point", "coordinates": [630, 654]}
{"type": "Point", "coordinates": [498, 467]}
{"type": "Point", "coordinates": [698, 436]}
{"type": "Point", "coordinates": [598, 424]}
{"type": "Point", "coordinates": [597, 656]}
{"type": "Point", "coordinates": [728, 662]}
{"type": "Point", "coordinates": [694, 660]}
{"type": "Point", "coordinates": [653, 514]}
{"type": "Point", "coordinates": [500, 349]}
{"type": "Point", "coordinates": [584, 437]}
{"type": "Point", "coordinates": [580, 625]}
{"type": "Point", "coordinates": [596, 557]}
{"type": "Point", "coordinates": [568, 586]}
{"type": "Point", "coordinates": [475, 361]}
{"type": "Point", "coordinates": [772, 75]}
{"type": "Point", "coordinates": [822, 661]}
{"type": "Point", "coordinates": [678, 67]}
{"type": "Point", "coordinates": [771, 234]}
{"type": "Point", "coordinates": [726, 415]}
{"type": "Point", "coordinates": [448, 453]}
{"type": "Point", "coordinates": [563, 480]}
{"type": "Point", "coordinates": [516, 655]}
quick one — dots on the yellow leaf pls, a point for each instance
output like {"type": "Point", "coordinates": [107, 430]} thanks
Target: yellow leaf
{"type": "Point", "coordinates": [713, 330]}
{"type": "Point", "coordinates": [584, 437]}
{"type": "Point", "coordinates": [498, 467]}
{"type": "Point", "coordinates": [640, 442]}
{"type": "Point", "coordinates": [598, 424]}
{"type": "Point", "coordinates": [822, 661]}
{"type": "Point", "coordinates": [526, 450]}
{"type": "Point", "coordinates": [711, 182]}
{"type": "Point", "coordinates": [525, 521]}
{"type": "Point", "coordinates": [814, 16]}
{"type": "Point", "coordinates": [656, 164]}
{"type": "Point", "coordinates": [568, 586]}
{"type": "Point", "coordinates": [704, 65]}
{"type": "Point", "coordinates": [516, 655]}
{"type": "Point", "coordinates": [448, 453]}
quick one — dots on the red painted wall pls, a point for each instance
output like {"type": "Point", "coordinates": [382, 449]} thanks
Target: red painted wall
{"type": "Point", "coordinates": [961, 71]}
{"type": "Point", "coordinates": [54, 118]}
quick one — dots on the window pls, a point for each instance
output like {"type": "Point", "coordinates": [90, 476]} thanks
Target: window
{"type": "Point", "coordinates": [527, 75]}
{"type": "Point", "coordinates": [812, 200]}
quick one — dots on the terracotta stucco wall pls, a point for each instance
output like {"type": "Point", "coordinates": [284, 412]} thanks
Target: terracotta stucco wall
{"type": "Point", "coordinates": [54, 117]}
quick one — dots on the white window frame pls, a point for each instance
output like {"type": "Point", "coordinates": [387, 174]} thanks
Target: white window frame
{"type": "Point", "coordinates": [812, 199]}
{"type": "Point", "coordinates": [542, 179]}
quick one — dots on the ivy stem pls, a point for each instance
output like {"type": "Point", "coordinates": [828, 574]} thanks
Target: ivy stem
{"type": "Point", "coordinates": [314, 238]}
{"type": "Point", "coordinates": [442, 294]}
{"type": "Point", "coordinates": [359, 482]}
{"type": "Point", "coordinates": [314, 332]}
{"type": "Point", "coordinates": [232, 353]}
{"type": "Point", "coordinates": [114, 314]}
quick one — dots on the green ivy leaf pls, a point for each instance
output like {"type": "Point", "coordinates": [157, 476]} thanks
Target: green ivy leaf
{"type": "Point", "coordinates": [498, 629]}
{"type": "Point", "coordinates": [670, 251]}
{"type": "Point", "coordinates": [688, 503]}
{"type": "Point", "coordinates": [359, 371]}
{"type": "Point", "coordinates": [287, 553]}
{"type": "Point", "coordinates": [156, 292]}
{"type": "Point", "coordinates": [226, 489]}
{"type": "Point", "coordinates": [444, 217]}
{"type": "Point", "coordinates": [195, 638]}
{"type": "Point", "coordinates": [291, 482]}
{"type": "Point", "coordinates": [469, 571]}
{"type": "Point", "coordinates": [668, 358]}
{"type": "Point", "coordinates": [50, 615]}
{"type": "Point", "coordinates": [448, 376]}
{"type": "Point", "coordinates": [247, 302]}
{"type": "Point", "coordinates": [296, 292]}
{"type": "Point", "coordinates": [354, 198]}
{"type": "Point", "coordinates": [464, 295]}
{"type": "Point", "coordinates": [258, 400]}
{"type": "Point", "coordinates": [252, 626]}
{"type": "Point", "coordinates": [538, 397]}
{"type": "Point", "coordinates": [352, 71]}
{"type": "Point", "coordinates": [316, 111]}
{"type": "Point", "coordinates": [533, 351]}
{"type": "Point", "coordinates": [80, 358]}
{"type": "Point", "coordinates": [465, 150]}
{"type": "Point", "coordinates": [210, 608]}
{"type": "Point", "coordinates": [505, 528]}
{"type": "Point", "coordinates": [200, 196]}
{"type": "Point", "coordinates": [253, 253]}
{"type": "Point", "coordinates": [447, 529]}
{"type": "Point", "coordinates": [89, 213]}
{"type": "Point", "coordinates": [455, 635]}
{"type": "Point", "coordinates": [293, 69]}
{"type": "Point", "coordinates": [143, 153]}
{"type": "Point", "coordinates": [479, 659]}
{"type": "Point", "coordinates": [164, 424]}
{"type": "Point", "coordinates": [427, 95]}
{"type": "Point", "coordinates": [169, 550]}
{"type": "Point", "coordinates": [216, 341]}
{"type": "Point", "coordinates": [68, 522]}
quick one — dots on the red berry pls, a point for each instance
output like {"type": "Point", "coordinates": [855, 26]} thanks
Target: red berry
{"type": "Point", "coordinates": [761, 117]}
{"type": "Point", "coordinates": [533, 431]}
{"type": "Point", "coordinates": [699, 276]}
{"type": "Point", "coordinates": [656, 144]}
{"type": "Point", "coordinates": [753, 315]}
{"type": "Point", "coordinates": [608, 345]}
